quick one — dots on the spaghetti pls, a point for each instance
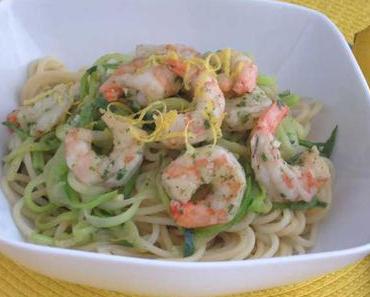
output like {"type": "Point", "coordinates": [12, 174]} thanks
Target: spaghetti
{"type": "Point", "coordinates": [55, 204]}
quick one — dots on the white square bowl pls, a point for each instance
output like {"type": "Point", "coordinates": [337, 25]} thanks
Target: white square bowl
{"type": "Point", "coordinates": [302, 48]}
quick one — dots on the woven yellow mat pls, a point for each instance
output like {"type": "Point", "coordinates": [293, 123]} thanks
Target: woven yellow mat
{"type": "Point", "coordinates": [352, 281]}
{"type": "Point", "coordinates": [350, 16]}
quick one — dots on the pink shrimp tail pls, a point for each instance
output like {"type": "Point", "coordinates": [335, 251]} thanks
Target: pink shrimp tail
{"type": "Point", "coordinates": [111, 89]}
{"type": "Point", "coordinates": [176, 66]}
{"type": "Point", "coordinates": [111, 92]}
{"type": "Point", "coordinates": [224, 83]}
{"type": "Point", "coordinates": [272, 117]}
{"type": "Point", "coordinates": [12, 117]}
{"type": "Point", "coordinates": [247, 81]}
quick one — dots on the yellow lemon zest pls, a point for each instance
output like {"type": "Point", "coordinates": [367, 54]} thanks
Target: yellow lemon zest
{"type": "Point", "coordinates": [50, 92]}
{"type": "Point", "coordinates": [214, 123]}
{"type": "Point", "coordinates": [157, 59]}
{"type": "Point", "coordinates": [38, 97]}
{"type": "Point", "coordinates": [163, 122]}
{"type": "Point", "coordinates": [238, 70]}
{"type": "Point", "coordinates": [196, 61]}
{"type": "Point", "coordinates": [217, 63]}
{"type": "Point", "coordinates": [151, 107]}
{"type": "Point", "coordinates": [210, 64]}
{"type": "Point", "coordinates": [172, 55]}
{"type": "Point", "coordinates": [59, 97]}
{"type": "Point", "coordinates": [186, 78]}
{"type": "Point", "coordinates": [137, 118]}
{"type": "Point", "coordinates": [199, 87]}
{"type": "Point", "coordinates": [225, 58]}
{"type": "Point", "coordinates": [189, 148]}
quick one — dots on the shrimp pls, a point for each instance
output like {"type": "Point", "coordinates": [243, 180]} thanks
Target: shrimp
{"type": "Point", "coordinates": [240, 75]}
{"type": "Point", "coordinates": [206, 187]}
{"type": "Point", "coordinates": [152, 82]}
{"type": "Point", "coordinates": [110, 171]}
{"type": "Point", "coordinates": [47, 111]}
{"type": "Point", "coordinates": [242, 112]}
{"type": "Point", "coordinates": [281, 180]}
{"type": "Point", "coordinates": [209, 104]}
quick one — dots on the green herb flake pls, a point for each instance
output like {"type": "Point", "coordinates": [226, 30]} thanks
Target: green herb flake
{"type": "Point", "coordinates": [241, 104]}
{"type": "Point", "coordinates": [325, 148]}
{"type": "Point", "coordinates": [264, 158]}
{"type": "Point", "coordinates": [129, 186]}
{"type": "Point", "coordinates": [300, 205]}
{"type": "Point", "coordinates": [13, 127]}
{"type": "Point", "coordinates": [188, 243]}
{"type": "Point", "coordinates": [244, 117]}
{"type": "Point", "coordinates": [294, 160]}
{"type": "Point", "coordinates": [100, 102]}
{"type": "Point", "coordinates": [206, 124]}
{"type": "Point", "coordinates": [92, 69]}
{"type": "Point", "coordinates": [121, 173]}
{"type": "Point", "coordinates": [284, 93]}
{"type": "Point", "coordinates": [105, 173]}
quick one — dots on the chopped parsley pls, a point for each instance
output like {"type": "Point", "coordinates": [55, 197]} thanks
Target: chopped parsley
{"type": "Point", "coordinates": [244, 117]}
{"type": "Point", "coordinates": [294, 160]}
{"type": "Point", "coordinates": [92, 69]}
{"type": "Point", "coordinates": [325, 148]}
{"type": "Point", "coordinates": [121, 173]}
{"type": "Point", "coordinates": [105, 173]}
{"type": "Point", "coordinates": [300, 205]}
{"type": "Point", "coordinates": [188, 243]}
{"type": "Point", "coordinates": [264, 158]}
{"type": "Point", "coordinates": [22, 134]}
{"type": "Point", "coordinates": [241, 104]}
{"type": "Point", "coordinates": [207, 124]}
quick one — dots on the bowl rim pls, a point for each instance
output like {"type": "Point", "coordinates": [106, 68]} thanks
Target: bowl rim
{"type": "Point", "coordinates": [360, 249]}
{"type": "Point", "coordinates": [75, 253]}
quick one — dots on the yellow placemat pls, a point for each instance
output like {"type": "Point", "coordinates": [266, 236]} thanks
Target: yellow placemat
{"type": "Point", "coordinates": [353, 281]}
{"type": "Point", "coordinates": [350, 16]}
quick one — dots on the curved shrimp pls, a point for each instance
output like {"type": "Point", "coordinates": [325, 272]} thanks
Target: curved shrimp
{"type": "Point", "coordinates": [242, 112]}
{"type": "Point", "coordinates": [152, 82]}
{"type": "Point", "coordinates": [239, 75]}
{"type": "Point", "coordinates": [111, 171]}
{"type": "Point", "coordinates": [205, 187]}
{"type": "Point", "coordinates": [209, 102]}
{"type": "Point", "coordinates": [47, 110]}
{"type": "Point", "coordinates": [281, 180]}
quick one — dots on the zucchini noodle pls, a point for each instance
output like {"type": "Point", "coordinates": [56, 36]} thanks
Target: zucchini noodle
{"type": "Point", "coordinates": [52, 206]}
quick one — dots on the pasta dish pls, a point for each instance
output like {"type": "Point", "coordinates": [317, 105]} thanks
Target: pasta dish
{"type": "Point", "coordinates": [166, 153]}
